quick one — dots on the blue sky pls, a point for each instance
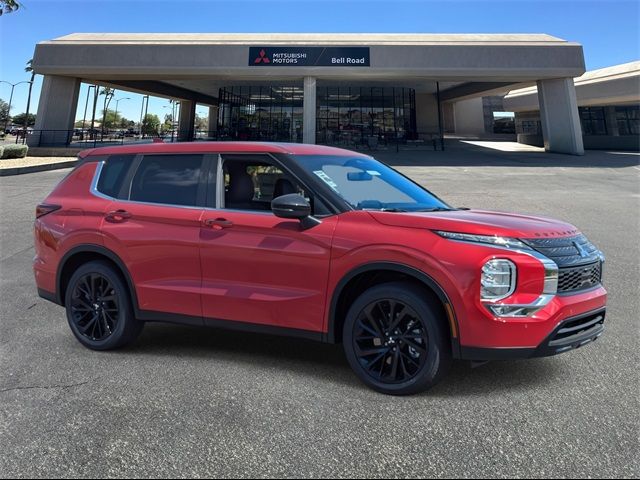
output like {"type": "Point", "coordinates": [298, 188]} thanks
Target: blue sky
{"type": "Point", "coordinates": [608, 29]}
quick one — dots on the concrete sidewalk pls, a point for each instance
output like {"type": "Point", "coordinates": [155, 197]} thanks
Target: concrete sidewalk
{"type": "Point", "coordinates": [18, 166]}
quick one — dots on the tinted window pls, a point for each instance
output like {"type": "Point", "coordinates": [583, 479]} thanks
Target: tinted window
{"type": "Point", "coordinates": [113, 174]}
{"type": "Point", "coordinates": [169, 179]}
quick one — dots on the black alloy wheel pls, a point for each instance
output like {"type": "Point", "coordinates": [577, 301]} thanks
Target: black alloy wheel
{"type": "Point", "coordinates": [94, 306]}
{"type": "Point", "coordinates": [396, 338]}
{"type": "Point", "coordinates": [99, 308]}
{"type": "Point", "coordinates": [390, 341]}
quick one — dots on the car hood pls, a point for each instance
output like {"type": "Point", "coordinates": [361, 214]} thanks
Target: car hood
{"type": "Point", "coordinates": [479, 222]}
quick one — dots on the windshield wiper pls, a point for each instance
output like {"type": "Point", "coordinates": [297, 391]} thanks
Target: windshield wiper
{"type": "Point", "coordinates": [392, 210]}
{"type": "Point", "coordinates": [436, 209]}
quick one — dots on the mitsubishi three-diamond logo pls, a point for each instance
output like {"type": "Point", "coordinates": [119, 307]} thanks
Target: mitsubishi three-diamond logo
{"type": "Point", "coordinates": [262, 58]}
{"type": "Point", "coordinates": [581, 250]}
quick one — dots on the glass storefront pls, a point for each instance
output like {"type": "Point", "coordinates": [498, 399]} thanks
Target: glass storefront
{"type": "Point", "coordinates": [351, 115]}
{"type": "Point", "coordinates": [258, 113]}
{"type": "Point", "coordinates": [344, 115]}
{"type": "Point", "coordinates": [593, 120]}
{"type": "Point", "coordinates": [628, 118]}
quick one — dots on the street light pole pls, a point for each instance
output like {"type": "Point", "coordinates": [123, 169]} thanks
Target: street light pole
{"type": "Point", "coordinates": [13, 85]}
{"type": "Point", "coordinates": [116, 115]}
{"type": "Point", "coordinates": [93, 114]}
{"type": "Point", "coordinates": [142, 113]}
{"type": "Point", "coordinates": [86, 104]}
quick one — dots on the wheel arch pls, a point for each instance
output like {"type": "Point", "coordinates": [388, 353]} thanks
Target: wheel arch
{"type": "Point", "coordinates": [386, 271]}
{"type": "Point", "coordinates": [81, 254]}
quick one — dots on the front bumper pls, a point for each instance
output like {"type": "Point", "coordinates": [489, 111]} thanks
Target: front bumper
{"type": "Point", "coordinates": [570, 334]}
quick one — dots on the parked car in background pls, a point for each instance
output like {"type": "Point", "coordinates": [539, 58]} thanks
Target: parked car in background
{"type": "Point", "coordinates": [313, 242]}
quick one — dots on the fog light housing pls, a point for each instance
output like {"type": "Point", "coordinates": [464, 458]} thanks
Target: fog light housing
{"type": "Point", "coordinates": [498, 279]}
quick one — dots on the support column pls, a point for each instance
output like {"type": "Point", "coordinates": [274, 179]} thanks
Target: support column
{"type": "Point", "coordinates": [56, 112]}
{"type": "Point", "coordinates": [559, 116]}
{"type": "Point", "coordinates": [309, 111]}
{"type": "Point", "coordinates": [186, 121]}
{"type": "Point", "coordinates": [213, 122]}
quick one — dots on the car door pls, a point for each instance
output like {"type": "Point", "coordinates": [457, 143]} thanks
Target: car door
{"type": "Point", "coordinates": [154, 227]}
{"type": "Point", "coordinates": [256, 267]}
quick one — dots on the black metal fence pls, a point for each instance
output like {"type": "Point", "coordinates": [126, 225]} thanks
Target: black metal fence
{"type": "Point", "coordinates": [351, 140]}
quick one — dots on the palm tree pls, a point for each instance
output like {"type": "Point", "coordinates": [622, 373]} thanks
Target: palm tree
{"type": "Point", "coordinates": [108, 95]}
{"type": "Point", "coordinates": [29, 69]}
{"type": "Point", "coordinates": [8, 6]}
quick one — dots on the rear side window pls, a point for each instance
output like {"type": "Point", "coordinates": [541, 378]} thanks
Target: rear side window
{"type": "Point", "coordinates": [113, 174]}
{"type": "Point", "coordinates": [168, 179]}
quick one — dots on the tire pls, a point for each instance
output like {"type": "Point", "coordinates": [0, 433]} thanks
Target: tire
{"type": "Point", "coordinates": [411, 357]}
{"type": "Point", "coordinates": [99, 309]}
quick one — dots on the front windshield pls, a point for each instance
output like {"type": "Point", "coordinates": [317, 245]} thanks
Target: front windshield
{"type": "Point", "coordinates": [366, 184]}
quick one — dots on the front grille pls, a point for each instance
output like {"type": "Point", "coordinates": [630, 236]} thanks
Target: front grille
{"type": "Point", "coordinates": [566, 251]}
{"type": "Point", "coordinates": [574, 279]}
{"type": "Point", "coordinates": [579, 261]}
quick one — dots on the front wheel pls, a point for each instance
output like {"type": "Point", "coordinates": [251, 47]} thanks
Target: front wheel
{"type": "Point", "coordinates": [395, 341]}
{"type": "Point", "coordinates": [99, 308]}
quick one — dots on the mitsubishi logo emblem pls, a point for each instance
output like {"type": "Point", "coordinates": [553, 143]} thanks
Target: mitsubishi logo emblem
{"type": "Point", "coordinates": [581, 250]}
{"type": "Point", "coordinates": [262, 58]}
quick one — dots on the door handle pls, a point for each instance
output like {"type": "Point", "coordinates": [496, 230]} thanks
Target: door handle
{"type": "Point", "coordinates": [117, 216]}
{"type": "Point", "coordinates": [218, 223]}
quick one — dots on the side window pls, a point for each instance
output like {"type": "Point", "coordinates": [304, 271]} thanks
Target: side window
{"type": "Point", "coordinates": [252, 181]}
{"type": "Point", "coordinates": [251, 184]}
{"type": "Point", "coordinates": [113, 174]}
{"type": "Point", "coordinates": [168, 179]}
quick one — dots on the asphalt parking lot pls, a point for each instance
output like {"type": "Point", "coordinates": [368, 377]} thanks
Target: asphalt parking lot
{"type": "Point", "coordinates": [185, 402]}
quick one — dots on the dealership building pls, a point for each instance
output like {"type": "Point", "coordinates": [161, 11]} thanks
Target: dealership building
{"type": "Point", "coordinates": [317, 88]}
{"type": "Point", "coordinates": [608, 107]}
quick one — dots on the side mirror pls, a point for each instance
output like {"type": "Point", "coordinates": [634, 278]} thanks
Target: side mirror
{"type": "Point", "coordinates": [294, 206]}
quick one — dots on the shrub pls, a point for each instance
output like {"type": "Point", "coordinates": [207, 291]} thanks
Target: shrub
{"type": "Point", "coordinates": [1, 150]}
{"type": "Point", "coordinates": [14, 151]}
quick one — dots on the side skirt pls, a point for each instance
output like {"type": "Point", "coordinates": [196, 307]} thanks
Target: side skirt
{"type": "Point", "coordinates": [151, 316]}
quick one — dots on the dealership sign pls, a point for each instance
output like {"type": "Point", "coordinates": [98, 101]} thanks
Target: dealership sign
{"type": "Point", "coordinates": [309, 56]}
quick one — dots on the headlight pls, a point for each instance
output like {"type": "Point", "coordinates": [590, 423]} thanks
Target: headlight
{"type": "Point", "coordinates": [550, 276]}
{"type": "Point", "coordinates": [498, 279]}
{"type": "Point", "coordinates": [506, 242]}
{"type": "Point", "coordinates": [549, 290]}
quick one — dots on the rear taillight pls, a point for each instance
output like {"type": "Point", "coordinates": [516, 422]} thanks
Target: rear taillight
{"type": "Point", "coordinates": [45, 208]}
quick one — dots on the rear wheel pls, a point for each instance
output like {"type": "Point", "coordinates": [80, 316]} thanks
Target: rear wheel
{"type": "Point", "coordinates": [99, 308]}
{"type": "Point", "coordinates": [394, 340]}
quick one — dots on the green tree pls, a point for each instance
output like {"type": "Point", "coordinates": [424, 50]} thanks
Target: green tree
{"type": "Point", "coordinates": [168, 122]}
{"type": "Point", "coordinates": [201, 123]}
{"type": "Point", "coordinates": [150, 124]}
{"type": "Point", "coordinates": [4, 112]}
{"type": "Point", "coordinates": [110, 119]}
{"type": "Point", "coordinates": [108, 96]}
{"type": "Point", "coordinates": [21, 119]}
{"type": "Point", "coordinates": [8, 6]}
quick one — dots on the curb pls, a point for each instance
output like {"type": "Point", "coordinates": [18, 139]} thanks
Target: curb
{"type": "Point", "coordinates": [5, 172]}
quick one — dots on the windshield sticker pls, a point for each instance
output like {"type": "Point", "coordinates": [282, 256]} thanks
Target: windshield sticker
{"type": "Point", "coordinates": [326, 179]}
{"type": "Point", "coordinates": [374, 173]}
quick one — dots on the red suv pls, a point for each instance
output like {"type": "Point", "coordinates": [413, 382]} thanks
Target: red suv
{"type": "Point", "coordinates": [313, 242]}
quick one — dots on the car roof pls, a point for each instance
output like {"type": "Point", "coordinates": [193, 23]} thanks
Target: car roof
{"type": "Point", "coordinates": [222, 147]}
